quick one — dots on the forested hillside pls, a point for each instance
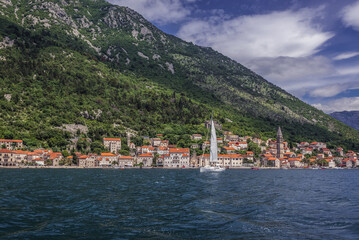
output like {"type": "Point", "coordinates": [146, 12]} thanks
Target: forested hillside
{"type": "Point", "coordinates": [105, 67]}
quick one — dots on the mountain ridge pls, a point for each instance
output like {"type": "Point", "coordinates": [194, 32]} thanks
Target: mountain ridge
{"type": "Point", "coordinates": [126, 43]}
{"type": "Point", "coordinates": [350, 118]}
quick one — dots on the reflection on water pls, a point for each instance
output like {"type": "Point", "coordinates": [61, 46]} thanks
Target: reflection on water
{"type": "Point", "coordinates": [178, 204]}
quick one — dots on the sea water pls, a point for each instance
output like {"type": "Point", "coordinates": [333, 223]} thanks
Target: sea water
{"type": "Point", "coordinates": [178, 204]}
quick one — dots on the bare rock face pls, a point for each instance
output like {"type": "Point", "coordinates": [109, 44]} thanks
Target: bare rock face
{"type": "Point", "coordinates": [156, 57]}
{"type": "Point", "coordinates": [7, 97]}
{"type": "Point", "coordinates": [74, 128]}
{"type": "Point", "coordinates": [143, 55]}
{"type": "Point", "coordinates": [84, 22]}
{"type": "Point", "coordinates": [58, 12]}
{"type": "Point", "coordinates": [6, 42]}
{"type": "Point", "coordinates": [170, 67]}
{"type": "Point", "coordinates": [6, 2]}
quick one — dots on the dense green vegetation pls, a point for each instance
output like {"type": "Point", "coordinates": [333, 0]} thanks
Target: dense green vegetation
{"type": "Point", "coordinates": [124, 80]}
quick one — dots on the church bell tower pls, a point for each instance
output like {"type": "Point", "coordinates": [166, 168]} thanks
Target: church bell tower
{"type": "Point", "coordinates": [280, 145]}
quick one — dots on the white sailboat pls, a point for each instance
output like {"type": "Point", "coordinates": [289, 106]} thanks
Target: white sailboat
{"type": "Point", "coordinates": [213, 157]}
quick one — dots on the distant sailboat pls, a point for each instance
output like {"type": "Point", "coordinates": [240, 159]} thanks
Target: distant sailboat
{"type": "Point", "coordinates": [213, 157]}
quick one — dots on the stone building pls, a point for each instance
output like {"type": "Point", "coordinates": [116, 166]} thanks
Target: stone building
{"type": "Point", "coordinates": [279, 144]}
{"type": "Point", "coordinates": [11, 144]}
{"type": "Point", "coordinates": [112, 144]}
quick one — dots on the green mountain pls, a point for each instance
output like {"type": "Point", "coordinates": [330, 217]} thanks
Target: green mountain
{"type": "Point", "coordinates": [109, 70]}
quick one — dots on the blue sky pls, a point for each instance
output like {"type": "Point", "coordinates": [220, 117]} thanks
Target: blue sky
{"type": "Point", "coordinates": [310, 48]}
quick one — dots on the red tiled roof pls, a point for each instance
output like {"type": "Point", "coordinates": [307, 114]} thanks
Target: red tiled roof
{"type": "Point", "coordinates": [108, 154]}
{"type": "Point", "coordinates": [10, 140]}
{"type": "Point", "coordinates": [179, 150]}
{"type": "Point", "coordinates": [21, 152]}
{"type": "Point", "coordinates": [112, 139]}
{"type": "Point", "coordinates": [229, 148]}
{"type": "Point", "coordinates": [125, 157]}
{"type": "Point", "coordinates": [230, 155]}
{"type": "Point", "coordinates": [145, 155]}
{"type": "Point", "coordinates": [5, 151]}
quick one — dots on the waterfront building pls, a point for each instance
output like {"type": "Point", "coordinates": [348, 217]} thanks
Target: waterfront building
{"type": "Point", "coordinates": [7, 158]}
{"type": "Point", "coordinates": [112, 144]}
{"type": "Point", "coordinates": [230, 160]}
{"type": "Point", "coordinates": [125, 161]}
{"type": "Point", "coordinates": [82, 161]}
{"type": "Point", "coordinates": [39, 161]}
{"type": "Point", "coordinates": [177, 157]}
{"type": "Point", "coordinates": [88, 161]}
{"type": "Point", "coordinates": [20, 157]}
{"type": "Point", "coordinates": [146, 159]}
{"type": "Point", "coordinates": [295, 162]}
{"type": "Point", "coordinates": [106, 159]}
{"type": "Point", "coordinates": [55, 158]}
{"type": "Point", "coordinates": [11, 144]}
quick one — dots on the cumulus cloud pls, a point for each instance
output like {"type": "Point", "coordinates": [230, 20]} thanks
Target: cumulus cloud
{"type": "Point", "coordinates": [337, 105]}
{"type": "Point", "coordinates": [287, 33]}
{"type": "Point", "coordinates": [350, 16]}
{"type": "Point", "coordinates": [159, 11]}
{"type": "Point", "coordinates": [346, 55]}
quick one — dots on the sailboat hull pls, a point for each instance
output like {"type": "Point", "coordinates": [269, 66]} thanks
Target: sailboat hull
{"type": "Point", "coordinates": [211, 169]}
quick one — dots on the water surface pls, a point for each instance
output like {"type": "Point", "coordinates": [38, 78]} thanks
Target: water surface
{"type": "Point", "coordinates": [178, 204]}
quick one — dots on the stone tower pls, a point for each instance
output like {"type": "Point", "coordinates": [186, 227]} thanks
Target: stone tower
{"type": "Point", "coordinates": [280, 145]}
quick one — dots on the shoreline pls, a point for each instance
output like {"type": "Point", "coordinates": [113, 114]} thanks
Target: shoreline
{"type": "Point", "coordinates": [126, 168]}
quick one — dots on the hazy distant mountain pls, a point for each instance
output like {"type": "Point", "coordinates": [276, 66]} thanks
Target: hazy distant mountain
{"type": "Point", "coordinates": [350, 118]}
{"type": "Point", "coordinates": [91, 63]}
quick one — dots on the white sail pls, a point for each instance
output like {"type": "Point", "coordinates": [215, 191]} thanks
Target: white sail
{"type": "Point", "coordinates": [213, 158]}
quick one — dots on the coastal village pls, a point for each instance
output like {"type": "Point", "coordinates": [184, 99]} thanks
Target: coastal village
{"type": "Point", "coordinates": [159, 153]}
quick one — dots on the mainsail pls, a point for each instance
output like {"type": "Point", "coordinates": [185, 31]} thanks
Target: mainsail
{"type": "Point", "coordinates": [213, 158]}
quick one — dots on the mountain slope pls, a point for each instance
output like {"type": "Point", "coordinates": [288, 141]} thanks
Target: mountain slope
{"type": "Point", "coordinates": [64, 58]}
{"type": "Point", "coordinates": [350, 118]}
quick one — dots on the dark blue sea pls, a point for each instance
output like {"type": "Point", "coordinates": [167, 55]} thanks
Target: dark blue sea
{"type": "Point", "coordinates": [178, 204]}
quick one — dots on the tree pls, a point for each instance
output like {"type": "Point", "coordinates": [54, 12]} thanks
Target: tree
{"type": "Point", "coordinates": [65, 153]}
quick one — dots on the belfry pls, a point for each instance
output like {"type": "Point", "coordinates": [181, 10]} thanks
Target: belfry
{"type": "Point", "coordinates": [280, 145]}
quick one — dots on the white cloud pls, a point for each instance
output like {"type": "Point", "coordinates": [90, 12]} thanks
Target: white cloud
{"type": "Point", "coordinates": [349, 70]}
{"type": "Point", "coordinates": [350, 16]}
{"type": "Point", "coordinates": [338, 105]}
{"type": "Point", "coordinates": [346, 55]}
{"type": "Point", "coordinates": [159, 11]}
{"type": "Point", "coordinates": [329, 90]}
{"type": "Point", "coordinates": [299, 76]}
{"type": "Point", "coordinates": [287, 33]}
{"type": "Point", "coordinates": [291, 69]}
